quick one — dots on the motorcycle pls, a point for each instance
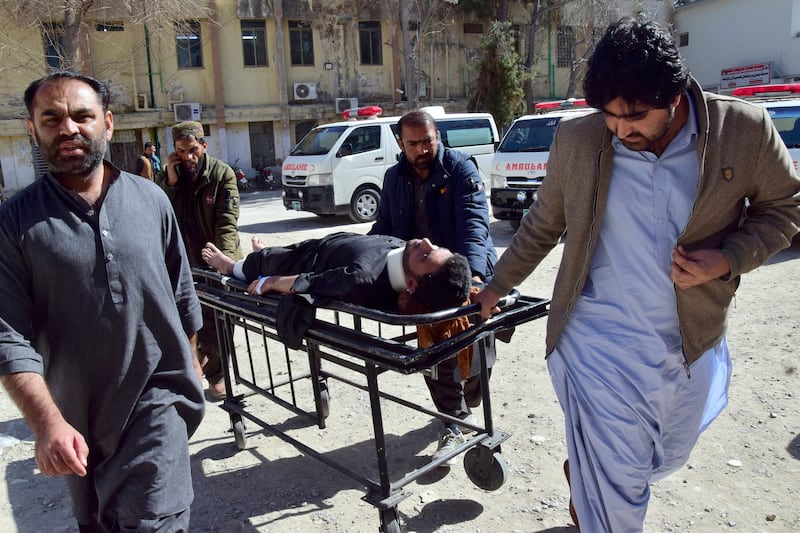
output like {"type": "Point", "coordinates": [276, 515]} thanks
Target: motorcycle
{"type": "Point", "coordinates": [264, 178]}
{"type": "Point", "coordinates": [241, 178]}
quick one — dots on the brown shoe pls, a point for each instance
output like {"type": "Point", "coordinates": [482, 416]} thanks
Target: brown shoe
{"type": "Point", "coordinates": [572, 512]}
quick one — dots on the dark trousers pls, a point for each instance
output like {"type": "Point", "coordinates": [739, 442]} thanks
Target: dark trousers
{"type": "Point", "coordinates": [454, 396]}
{"type": "Point", "coordinates": [168, 524]}
{"type": "Point", "coordinates": [208, 347]}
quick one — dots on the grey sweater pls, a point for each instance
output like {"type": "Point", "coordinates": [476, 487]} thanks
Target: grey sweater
{"type": "Point", "coordinates": [741, 157]}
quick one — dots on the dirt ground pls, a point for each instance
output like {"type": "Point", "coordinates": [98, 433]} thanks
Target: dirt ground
{"type": "Point", "coordinates": [743, 475]}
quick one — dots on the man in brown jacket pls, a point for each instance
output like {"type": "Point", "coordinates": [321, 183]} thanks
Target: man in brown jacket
{"type": "Point", "coordinates": [667, 196]}
{"type": "Point", "coordinates": [203, 192]}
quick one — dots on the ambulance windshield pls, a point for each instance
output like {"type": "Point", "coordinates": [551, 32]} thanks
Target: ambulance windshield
{"type": "Point", "coordinates": [319, 141]}
{"type": "Point", "coordinates": [534, 135]}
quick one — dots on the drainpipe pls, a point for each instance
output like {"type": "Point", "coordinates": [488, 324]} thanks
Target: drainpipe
{"type": "Point", "coordinates": [551, 69]}
{"type": "Point", "coordinates": [150, 80]}
{"type": "Point", "coordinates": [219, 87]}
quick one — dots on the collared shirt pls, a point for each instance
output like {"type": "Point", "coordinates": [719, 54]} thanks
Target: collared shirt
{"type": "Point", "coordinates": [421, 187]}
{"type": "Point", "coordinates": [394, 264]}
{"type": "Point", "coordinates": [649, 203]}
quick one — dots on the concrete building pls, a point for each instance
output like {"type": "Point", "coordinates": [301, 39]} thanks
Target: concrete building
{"type": "Point", "coordinates": [732, 43]}
{"type": "Point", "coordinates": [260, 74]}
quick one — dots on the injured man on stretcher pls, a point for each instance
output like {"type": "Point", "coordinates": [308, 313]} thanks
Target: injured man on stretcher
{"type": "Point", "coordinates": [368, 270]}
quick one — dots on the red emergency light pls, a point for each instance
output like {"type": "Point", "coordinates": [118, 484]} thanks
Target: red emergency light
{"type": "Point", "coordinates": [775, 88]}
{"type": "Point", "coordinates": [560, 104]}
{"type": "Point", "coordinates": [362, 112]}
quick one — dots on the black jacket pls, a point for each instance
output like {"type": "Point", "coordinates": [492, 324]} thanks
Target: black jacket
{"type": "Point", "coordinates": [341, 266]}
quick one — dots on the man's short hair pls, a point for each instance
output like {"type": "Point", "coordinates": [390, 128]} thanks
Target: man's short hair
{"type": "Point", "coordinates": [447, 287]}
{"type": "Point", "coordinates": [103, 94]}
{"type": "Point", "coordinates": [148, 145]}
{"type": "Point", "coordinates": [635, 60]}
{"type": "Point", "coordinates": [415, 119]}
{"type": "Point", "coordinates": [187, 129]}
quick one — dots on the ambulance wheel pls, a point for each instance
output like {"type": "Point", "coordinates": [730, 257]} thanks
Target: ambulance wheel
{"type": "Point", "coordinates": [485, 468]}
{"type": "Point", "coordinates": [364, 205]}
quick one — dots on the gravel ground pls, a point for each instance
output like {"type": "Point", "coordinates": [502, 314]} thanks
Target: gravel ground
{"type": "Point", "coordinates": [742, 476]}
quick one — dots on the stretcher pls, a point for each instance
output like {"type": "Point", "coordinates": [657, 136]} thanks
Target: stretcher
{"type": "Point", "coordinates": [353, 341]}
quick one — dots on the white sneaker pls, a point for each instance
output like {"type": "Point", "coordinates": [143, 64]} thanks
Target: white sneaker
{"type": "Point", "coordinates": [470, 419]}
{"type": "Point", "coordinates": [451, 439]}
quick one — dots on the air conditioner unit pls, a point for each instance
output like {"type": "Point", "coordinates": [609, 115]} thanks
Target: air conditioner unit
{"type": "Point", "coordinates": [343, 104]}
{"type": "Point", "coordinates": [187, 111]}
{"type": "Point", "coordinates": [305, 91]}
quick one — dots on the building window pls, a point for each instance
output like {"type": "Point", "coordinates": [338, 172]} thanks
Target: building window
{"type": "Point", "coordinates": [254, 43]}
{"type": "Point", "coordinates": [53, 37]}
{"type": "Point", "coordinates": [301, 42]}
{"type": "Point", "coordinates": [369, 37]}
{"type": "Point", "coordinates": [188, 44]}
{"type": "Point", "coordinates": [473, 27]}
{"type": "Point", "coordinates": [565, 55]}
{"type": "Point", "coordinates": [109, 26]}
{"type": "Point", "coordinates": [683, 39]}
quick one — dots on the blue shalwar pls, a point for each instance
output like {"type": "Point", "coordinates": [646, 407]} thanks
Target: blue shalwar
{"type": "Point", "coordinates": [633, 410]}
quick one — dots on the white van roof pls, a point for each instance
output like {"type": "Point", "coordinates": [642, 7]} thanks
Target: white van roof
{"type": "Point", "coordinates": [437, 112]}
{"type": "Point", "coordinates": [571, 112]}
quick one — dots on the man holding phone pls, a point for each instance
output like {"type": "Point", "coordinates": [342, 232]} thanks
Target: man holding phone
{"type": "Point", "coordinates": [203, 193]}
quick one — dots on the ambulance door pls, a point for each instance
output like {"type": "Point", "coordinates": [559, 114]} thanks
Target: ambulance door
{"type": "Point", "coordinates": [360, 162]}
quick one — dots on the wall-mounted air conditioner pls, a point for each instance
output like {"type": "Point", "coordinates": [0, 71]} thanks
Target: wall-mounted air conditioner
{"type": "Point", "coordinates": [305, 90]}
{"type": "Point", "coordinates": [187, 111]}
{"type": "Point", "coordinates": [343, 104]}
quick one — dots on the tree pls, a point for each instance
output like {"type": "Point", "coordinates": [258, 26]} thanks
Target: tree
{"type": "Point", "coordinates": [419, 20]}
{"type": "Point", "coordinates": [590, 18]}
{"type": "Point", "coordinates": [63, 22]}
{"type": "Point", "coordinates": [498, 88]}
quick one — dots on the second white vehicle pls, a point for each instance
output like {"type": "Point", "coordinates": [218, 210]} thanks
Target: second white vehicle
{"type": "Point", "coordinates": [338, 168]}
{"type": "Point", "coordinates": [520, 163]}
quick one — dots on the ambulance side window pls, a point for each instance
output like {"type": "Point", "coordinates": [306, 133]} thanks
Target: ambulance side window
{"type": "Point", "coordinates": [363, 139]}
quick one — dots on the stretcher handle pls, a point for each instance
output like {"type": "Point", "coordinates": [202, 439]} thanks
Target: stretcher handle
{"type": "Point", "coordinates": [509, 299]}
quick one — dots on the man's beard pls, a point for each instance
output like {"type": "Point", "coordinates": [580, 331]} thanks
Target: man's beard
{"type": "Point", "coordinates": [646, 143]}
{"type": "Point", "coordinates": [420, 162]}
{"type": "Point", "coordinates": [192, 171]}
{"type": "Point", "coordinates": [77, 165]}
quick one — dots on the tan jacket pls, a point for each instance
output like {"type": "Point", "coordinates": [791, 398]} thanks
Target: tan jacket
{"type": "Point", "coordinates": [744, 159]}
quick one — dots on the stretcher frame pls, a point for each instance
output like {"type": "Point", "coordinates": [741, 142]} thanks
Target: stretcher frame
{"type": "Point", "coordinates": [354, 348]}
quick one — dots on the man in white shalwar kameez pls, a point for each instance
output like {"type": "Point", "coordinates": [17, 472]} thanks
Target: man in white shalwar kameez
{"type": "Point", "coordinates": [651, 192]}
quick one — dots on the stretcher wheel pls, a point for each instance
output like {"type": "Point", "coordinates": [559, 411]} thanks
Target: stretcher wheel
{"type": "Point", "coordinates": [390, 521]}
{"type": "Point", "coordinates": [485, 468]}
{"type": "Point", "coordinates": [238, 433]}
{"type": "Point", "coordinates": [324, 403]}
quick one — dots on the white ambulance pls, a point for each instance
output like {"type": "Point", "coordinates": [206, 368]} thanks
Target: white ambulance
{"type": "Point", "coordinates": [338, 168]}
{"type": "Point", "coordinates": [520, 163]}
{"type": "Point", "coordinates": [783, 104]}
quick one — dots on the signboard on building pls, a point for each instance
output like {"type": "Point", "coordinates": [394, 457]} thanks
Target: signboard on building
{"type": "Point", "coordinates": [758, 74]}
